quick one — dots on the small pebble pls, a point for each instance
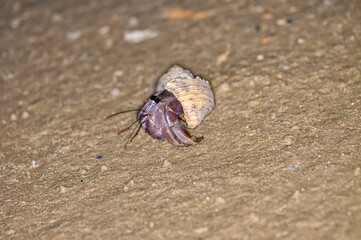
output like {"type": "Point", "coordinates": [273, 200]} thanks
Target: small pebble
{"type": "Point", "coordinates": [132, 21]}
{"type": "Point", "coordinates": [99, 158]}
{"type": "Point", "coordinates": [259, 9]}
{"type": "Point", "coordinates": [167, 163]}
{"type": "Point", "coordinates": [151, 224]}
{"type": "Point", "coordinates": [260, 57]}
{"type": "Point", "coordinates": [34, 164]}
{"type": "Point", "coordinates": [138, 36]}
{"type": "Point", "coordinates": [285, 67]}
{"type": "Point", "coordinates": [296, 196]}
{"type": "Point", "coordinates": [15, 23]}
{"type": "Point", "coordinates": [104, 30]}
{"type": "Point", "coordinates": [117, 74]}
{"type": "Point", "coordinates": [104, 168]}
{"type": "Point", "coordinates": [288, 141]}
{"type": "Point", "coordinates": [62, 189]}
{"type": "Point", "coordinates": [220, 200]}
{"type": "Point", "coordinates": [300, 41]}
{"type": "Point", "coordinates": [173, 206]}
{"type": "Point", "coordinates": [281, 22]}
{"type": "Point", "coordinates": [13, 117]}
{"type": "Point", "coordinates": [73, 35]}
{"type": "Point", "coordinates": [201, 230]}
{"type": "Point", "coordinates": [289, 166]}
{"type": "Point", "coordinates": [25, 115]}
{"type": "Point", "coordinates": [319, 53]}
{"type": "Point", "coordinates": [97, 86]}
{"type": "Point", "coordinates": [115, 92]}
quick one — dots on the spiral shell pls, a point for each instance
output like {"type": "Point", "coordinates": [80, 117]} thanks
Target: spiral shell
{"type": "Point", "coordinates": [195, 94]}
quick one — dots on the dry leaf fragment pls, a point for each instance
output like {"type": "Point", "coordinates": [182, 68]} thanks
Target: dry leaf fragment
{"type": "Point", "coordinates": [222, 58]}
{"type": "Point", "coordinates": [267, 39]}
{"type": "Point", "coordinates": [179, 13]}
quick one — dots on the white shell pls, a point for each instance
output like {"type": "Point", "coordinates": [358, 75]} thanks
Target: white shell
{"type": "Point", "coordinates": [195, 94]}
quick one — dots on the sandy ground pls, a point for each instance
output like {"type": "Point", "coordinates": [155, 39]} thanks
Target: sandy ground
{"type": "Point", "coordinates": [281, 154]}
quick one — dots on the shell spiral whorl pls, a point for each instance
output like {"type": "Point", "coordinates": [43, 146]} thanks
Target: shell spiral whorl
{"type": "Point", "coordinates": [194, 93]}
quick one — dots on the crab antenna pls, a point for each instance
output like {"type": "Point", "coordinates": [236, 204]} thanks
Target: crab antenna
{"type": "Point", "coordinates": [136, 133]}
{"type": "Point", "coordinates": [125, 146]}
{"type": "Point", "coordinates": [128, 127]}
{"type": "Point", "coordinates": [131, 110]}
{"type": "Point", "coordinates": [140, 125]}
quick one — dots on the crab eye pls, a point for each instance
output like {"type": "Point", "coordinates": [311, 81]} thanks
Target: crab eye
{"type": "Point", "coordinates": [154, 98]}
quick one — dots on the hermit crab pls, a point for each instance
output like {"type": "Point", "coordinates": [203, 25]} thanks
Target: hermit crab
{"type": "Point", "coordinates": [179, 96]}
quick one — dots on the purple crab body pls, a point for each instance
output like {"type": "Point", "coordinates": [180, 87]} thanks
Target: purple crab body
{"type": "Point", "coordinates": [159, 116]}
